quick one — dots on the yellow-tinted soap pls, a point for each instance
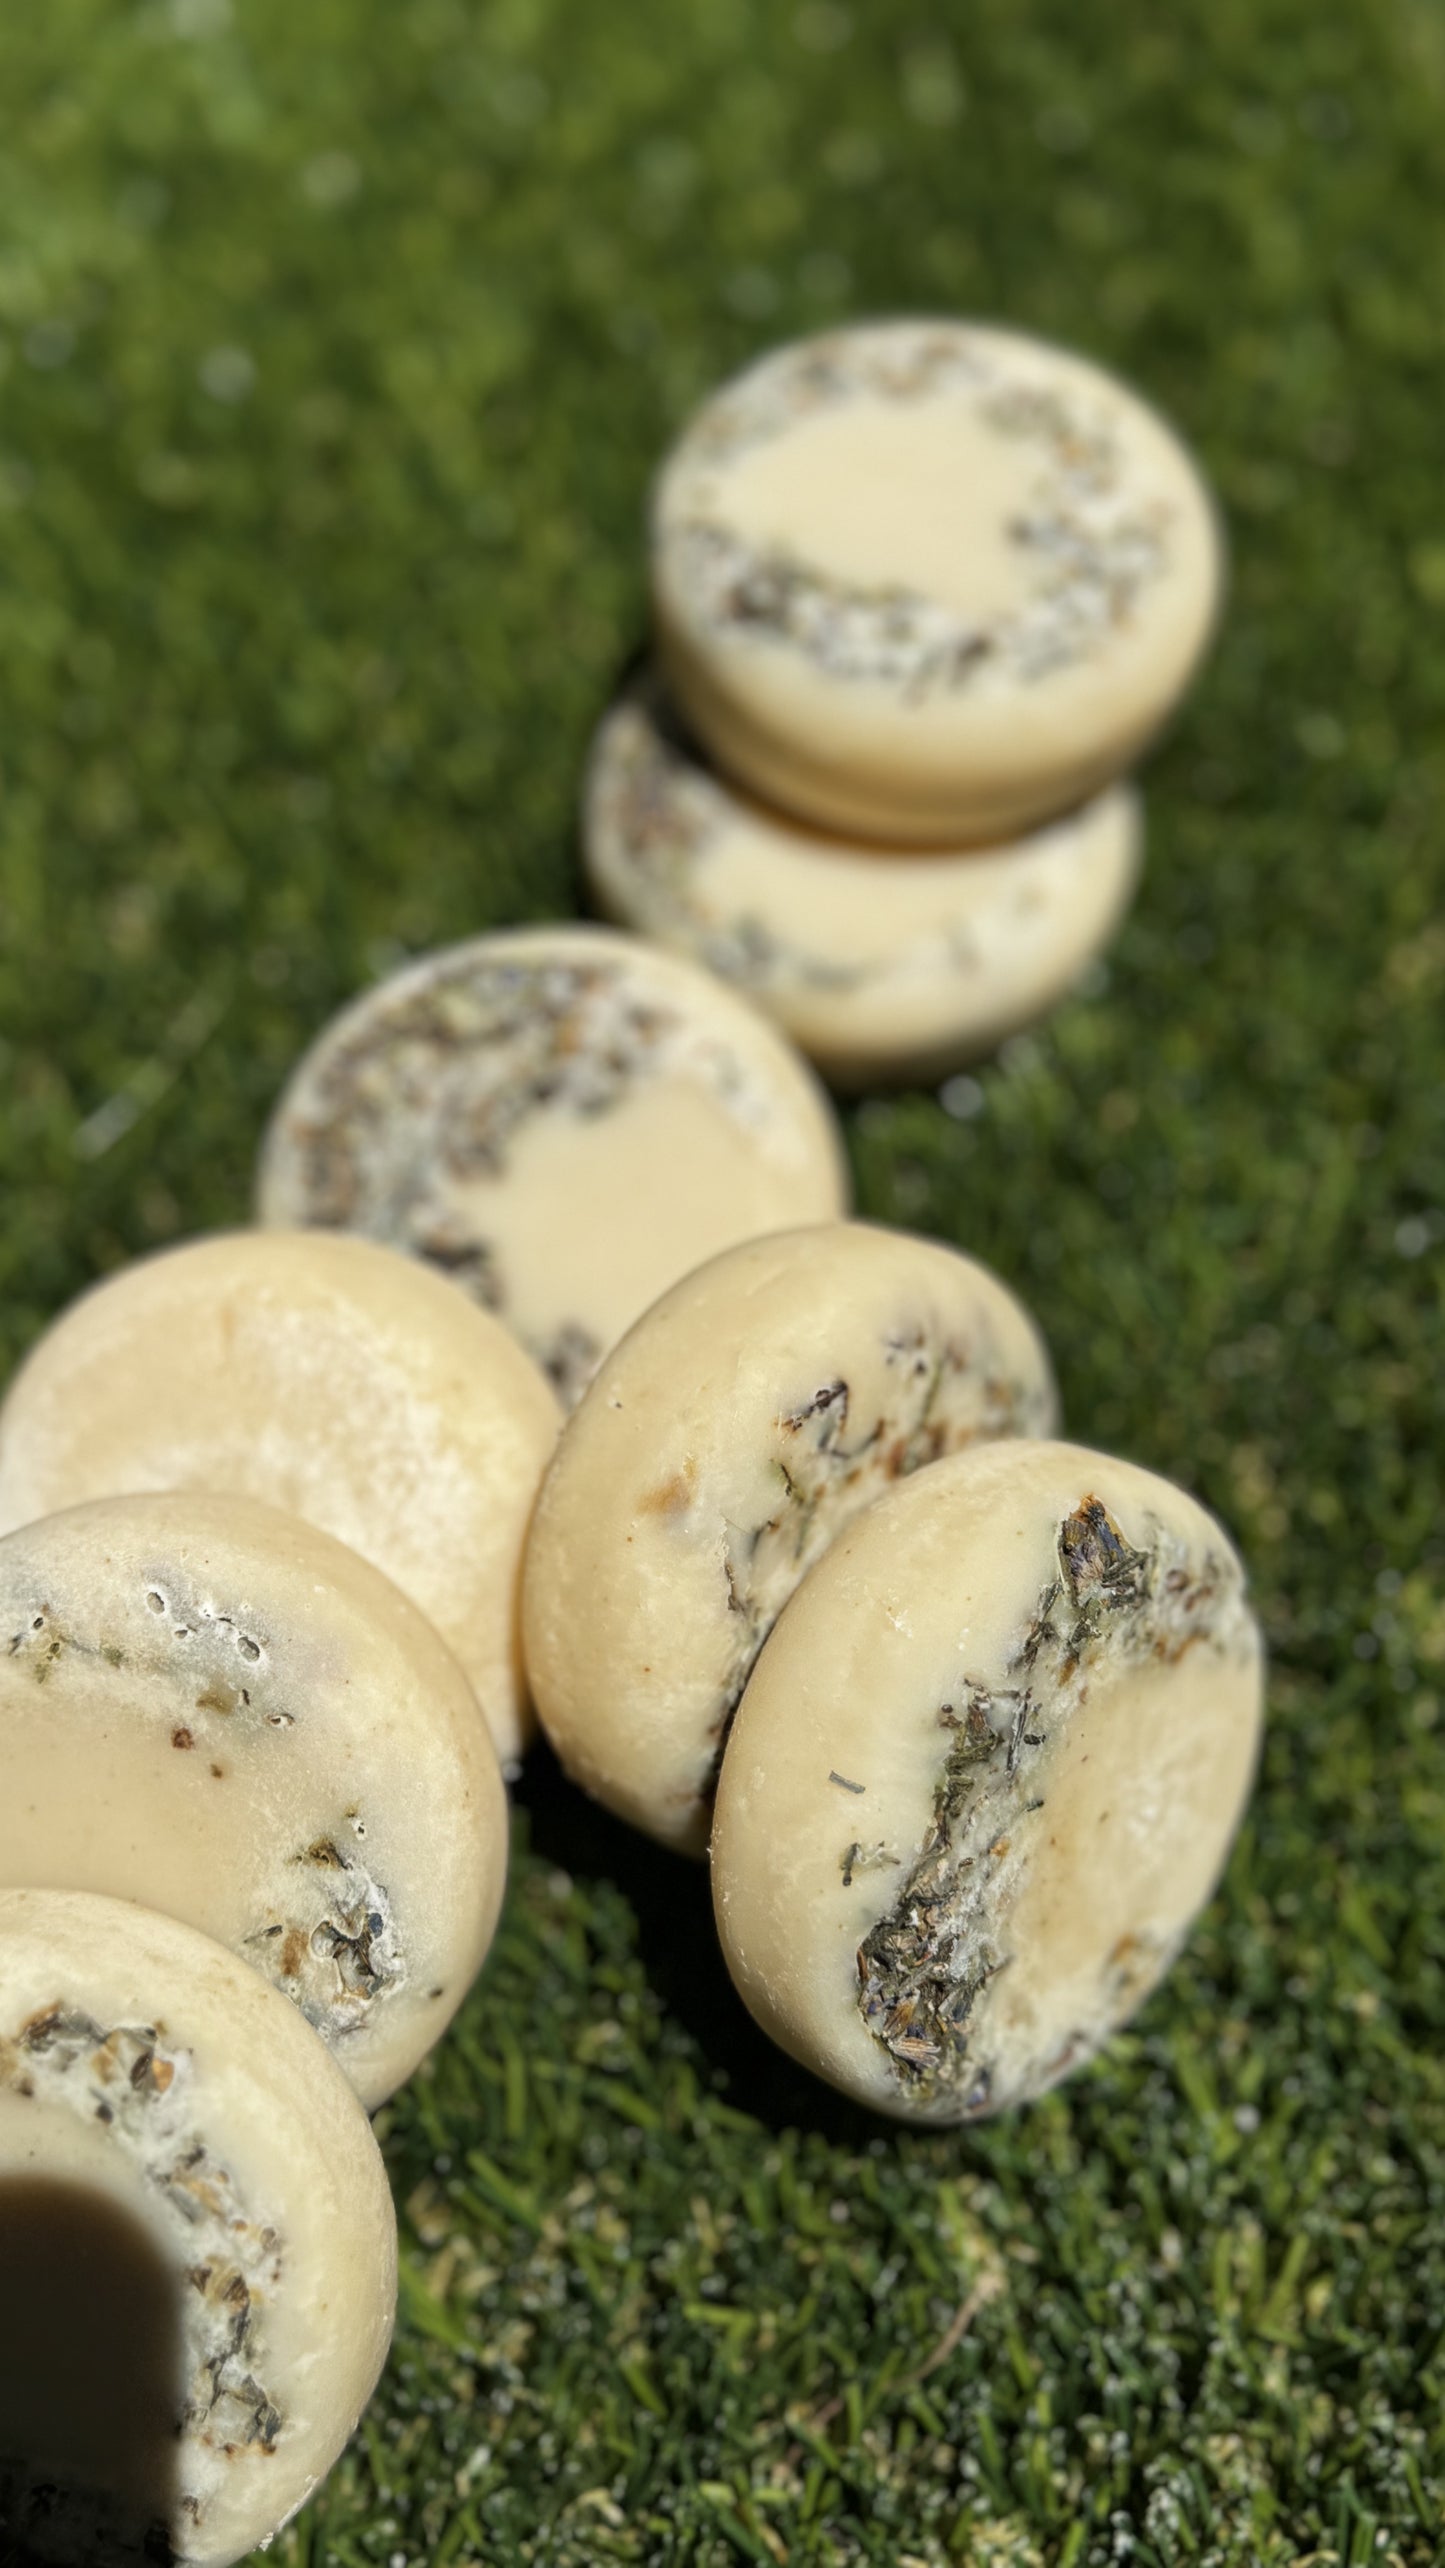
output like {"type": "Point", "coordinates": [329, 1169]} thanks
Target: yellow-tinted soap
{"type": "Point", "coordinates": [560, 1119]}
{"type": "Point", "coordinates": [883, 965]}
{"type": "Point", "coordinates": [930, 581]}
{"type": "Point", "coordinates": [212, 1708]}
{"type": "Point", "coordinates": [986, 1772]}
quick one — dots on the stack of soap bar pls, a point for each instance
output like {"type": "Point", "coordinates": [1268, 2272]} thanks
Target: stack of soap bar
{"type": "Point", "coordinates": [927, 582]}
{"type": "Point", "coordinates": [985, 1773]}
{"type": "Point", "coordinates": [919, 587]}
{"type": "Point", "coordinates": [561, 1120]}
{"type": "Point", "coordinates": [199, 2249]}
{"type": "Point", "coordinates": [327, 1376]}
{"type": "Point", "coordinates": [723, 1445]}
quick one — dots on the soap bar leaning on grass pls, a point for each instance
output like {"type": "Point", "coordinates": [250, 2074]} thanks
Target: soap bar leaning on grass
{"type": "Point", "coordinates": [560, 1119]}
{"type": "Point", "coordinates": [200, 2272]}
{"type": "Point", "coordinates": [881, 965]}
{"type": "Point", "coordinates": [327, 1376]}
{"type": "Point", "coordinates": [210, 1707]}
{"type": "Point", "coordinates": [929, 581]}
{"type": "Point", "coordinates": [739, 1426]}
{"type": "Point", "coordinates": [986, 1772]}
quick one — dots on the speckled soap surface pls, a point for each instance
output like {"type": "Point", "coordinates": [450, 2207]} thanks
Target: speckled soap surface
{"type": "Point", "coordinates": [884, 965]}
{"type": "Point", "coordinates": [211, 1707]}
{"type": "Point", "coordinates": [986, 1771]}
{"type": "Point", "coordinates": [562, 1120]}
{"type": "Point", "coordinates": [929, 580]}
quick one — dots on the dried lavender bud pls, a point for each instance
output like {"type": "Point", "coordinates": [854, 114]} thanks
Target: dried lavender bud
{"type": "Point", "coordinates": [881, 965]}
{"type": "Point", "coordinates": [562, 1121]}
{"type": "Point", "coordinates": [147, 2071]}
{"type": "Point", "coordinates": [927, 581]}
{"type": "Point", "coordinates": [209, 1707]}
{"type": "Point", "coordinates": [738, 1427]}
{"type": "Point", "coordinates": [327, 1376]}
{"type": "Point", "coordinates": [1039, 1666]}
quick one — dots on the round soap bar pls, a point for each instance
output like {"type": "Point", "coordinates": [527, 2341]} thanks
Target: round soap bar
{"type": "Point", "coordinates": [986, 1772]}
{"type": "Point", "coordinates": [200, 2277]}
{"type": "Point", "coordinates": [882, 966]}
{"type": "Point", "coordinates": [326, 1375]}
{"type": "Point", "coordinates": [929, 581]}
{"type": "Point", "coordinates": [211, 1707]}
{"type": "Point", "coordinates": [562, 1120]}
{"type": "Point", "coordinates": [744, 1421]}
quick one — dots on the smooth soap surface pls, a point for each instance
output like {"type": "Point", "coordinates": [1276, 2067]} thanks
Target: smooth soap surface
{"type": "Point", "coordinates": [986, 1772]}
{"type": "Point", "coordinates": [212, 1708]}
{"type": "Point", "coordinates": [724, 1444]}
{"type": "Point", "coordinates": [325, 1375]}
{"type": "Point", "coordinates": [929, 580]}
{"type": "Point", "coordinates": [882, 964]}
{"type": "Point", "coordinates": [560, 1119]}
{"type": "Point", "coordinates": [153, 2086]}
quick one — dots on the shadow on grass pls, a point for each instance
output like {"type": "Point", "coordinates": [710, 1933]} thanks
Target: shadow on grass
{"type": "Point", "coordinates": [672, 1901]}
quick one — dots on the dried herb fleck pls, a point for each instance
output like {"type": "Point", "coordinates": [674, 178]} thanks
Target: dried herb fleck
{"type": "Point", "coordinates": [339, 1953]}
{"type": "Point", "coordinates": [1090, 545]}
{"type": "Point", "coordinates": [945, 1391]}
{"type": "Point", "coordinates": [406, 1110]}
{"type": "Point", "coordinates": [923, 1966]}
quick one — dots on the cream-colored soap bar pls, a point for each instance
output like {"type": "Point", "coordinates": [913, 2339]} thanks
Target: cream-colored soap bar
{"type": "Point", "coordinates": [211, 1707]}
{"type": "Point", "coordinates": [987, 1770]}
{"type": "Point", "coordinates": [928, 581]}
{"type": "Point", "coordinates": [562, 1120]}
{"type": "Point", "coordinates": [882, 966]}
{"type": "Point", "coordinates": [328, 1376]}
{"type": "Point", "coordinates": [201, 2280]}
{"type": "Point", "coordinates": [724, 1444]}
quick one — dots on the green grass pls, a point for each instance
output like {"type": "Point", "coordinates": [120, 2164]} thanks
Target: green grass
{"type": "Point", "coordinates": [300, 646]}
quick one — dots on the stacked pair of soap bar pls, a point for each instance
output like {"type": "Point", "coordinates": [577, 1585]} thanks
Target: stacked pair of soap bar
{"type": "Point", "coordinates": [924, 591]}
{"type": "Point", "coordinates": [964, 1717]}
{"type": "Point", "coordinates": [262, 1507]}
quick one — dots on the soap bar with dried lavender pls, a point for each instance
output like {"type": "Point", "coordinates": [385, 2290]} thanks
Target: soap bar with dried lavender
{"type": "Point", "coordinates": [326, 1375]}
{"type": "Point", "coordinates": [881, 965]}
{"type": "Point", "coordinates": [563, 1121]}
{"type": "Point", "coordinates": [738, 1427]}
{"type": "Point", "coordinates": [198, 2243]}
{"type": "Point", "coordinates": [986, 1771]}
{"type": "Point", "coordinates": [927, 581]}
{"type": "Point", "coordinates": [210, 1707]}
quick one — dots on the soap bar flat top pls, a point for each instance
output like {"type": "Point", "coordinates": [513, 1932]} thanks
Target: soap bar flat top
{"type": "Point", "coordinates": [159, 2099]}
{"type": "Point", "coordinates": [326, 1375]}
{"type": "Point", "coordinates": [724, 1444]}
{"type": "Point", "coordinates": [881, 964]}
{"type": "Point", "coordinates": [212, 1708]}
{"type": "Point", "coordinates": [986, 1771]}
{"type": "Point", "coordinates": [560, 1119]}
{"type": "Point", "coordinates": [929, 578]}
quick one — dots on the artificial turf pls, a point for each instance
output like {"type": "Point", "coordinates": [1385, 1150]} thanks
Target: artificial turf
{"type": "Point", "coordinates": [339, 342]}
